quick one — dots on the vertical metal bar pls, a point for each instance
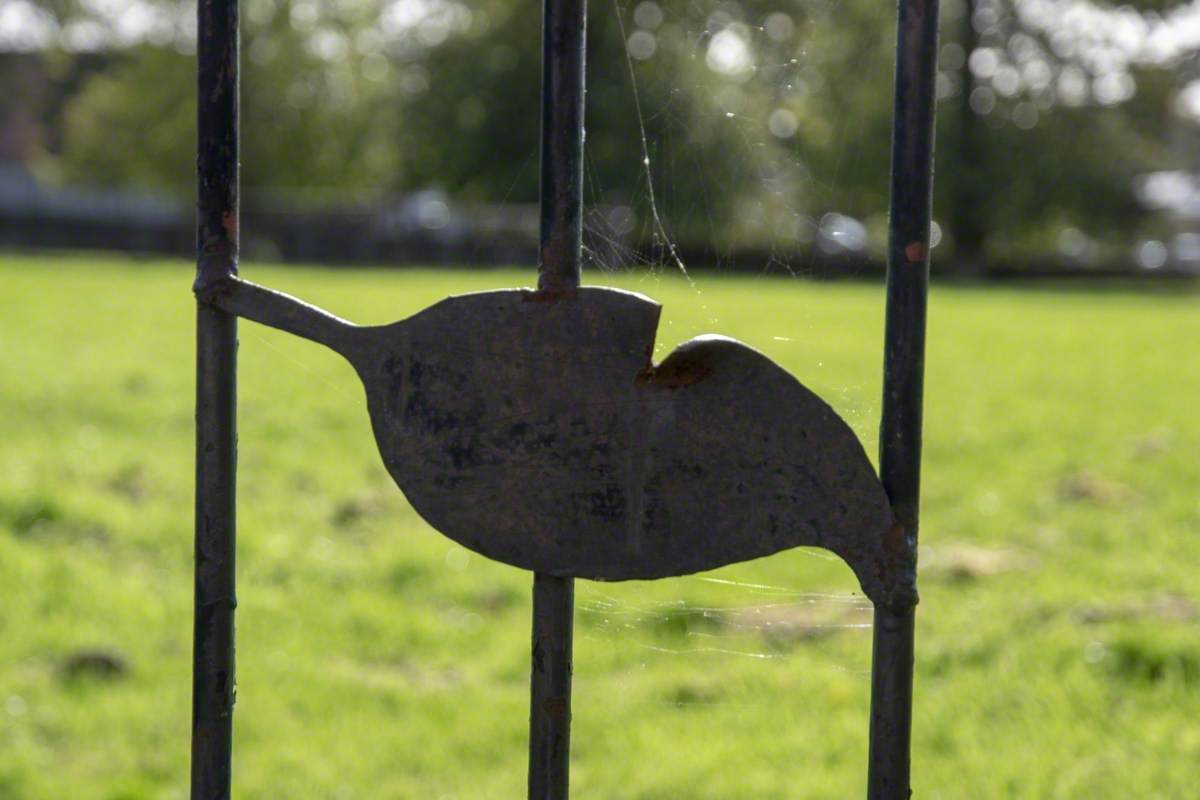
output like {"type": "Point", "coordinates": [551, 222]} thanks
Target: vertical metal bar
{"type": "Point", "coordinates": [216, 402]}
{"type": "Point", "coordinates": [891, 705]}
{"type": "Point", "coordinates": [563, 54]}
{"type": "Point", "coordinates": [904, 369]}
{"type": "Point", "coordinates": [550, 695]}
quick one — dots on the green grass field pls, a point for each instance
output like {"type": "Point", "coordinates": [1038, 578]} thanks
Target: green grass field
{"type": "Point", "coordinates": [1058, 651]}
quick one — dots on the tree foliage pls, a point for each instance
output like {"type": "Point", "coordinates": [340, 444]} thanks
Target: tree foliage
{"type": "Point", "coordinates": [749, 120]}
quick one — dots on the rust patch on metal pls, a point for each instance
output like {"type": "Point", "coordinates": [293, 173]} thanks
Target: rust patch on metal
{"type": "Point", "coordinates": [673, 377]}
{"type": "Point", "coordinates": [897, 567]}
{"type": "Point", "coordinates": [915, 252]}
{"type": "Point", "coordinates": [229, 221]}
{"type": "Point", "coordinates": [676, 372]}
{"type": "Point", "coordinates": [556, 706]}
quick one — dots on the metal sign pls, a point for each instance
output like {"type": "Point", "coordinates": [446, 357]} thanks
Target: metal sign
{"type": "Point", "coordinates": [533, 427]}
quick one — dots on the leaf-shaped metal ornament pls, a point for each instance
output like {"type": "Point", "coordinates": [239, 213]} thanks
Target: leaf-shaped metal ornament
{"type": "Point", "coordinates": [534, 429]}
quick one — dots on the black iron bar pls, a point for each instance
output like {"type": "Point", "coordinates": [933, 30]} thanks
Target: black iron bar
{"type": "Point", "coordinates": [904, 367]}
{"type": "Point", "coordinates": [563, 42]}
{"type": "Point", "coordinates": [550, 695]}
{"type": "Point", "coordinates": [216, 402]}
{"type": "Point", "coordinates": [563, 54]}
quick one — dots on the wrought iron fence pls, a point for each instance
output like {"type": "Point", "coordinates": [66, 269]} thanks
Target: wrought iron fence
{"type": "Point", "coordinates": [612, 467]}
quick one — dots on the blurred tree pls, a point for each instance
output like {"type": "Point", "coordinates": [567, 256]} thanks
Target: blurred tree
{"type": "Point", "coordinates": [1054, 106]}
{"type": "Point", "coordinates": [315, 109]}
{"type": "Point", "coordinates": [471, 116]}
{"type": "Point", "coordinates": [131, 126]}
{"type": "Point", "coordinates": [749, 119]}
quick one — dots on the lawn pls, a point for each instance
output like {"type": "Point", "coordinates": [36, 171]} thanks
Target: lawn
{"type": "Point", "coordinates": [1058, 651]}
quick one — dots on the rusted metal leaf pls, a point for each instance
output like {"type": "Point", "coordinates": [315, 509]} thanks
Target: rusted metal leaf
{"type": "Point", "coordinates": [534, 429]}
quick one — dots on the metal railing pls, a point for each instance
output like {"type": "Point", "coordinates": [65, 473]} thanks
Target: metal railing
{"type": "Point", "coordinates": [870, 522]}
